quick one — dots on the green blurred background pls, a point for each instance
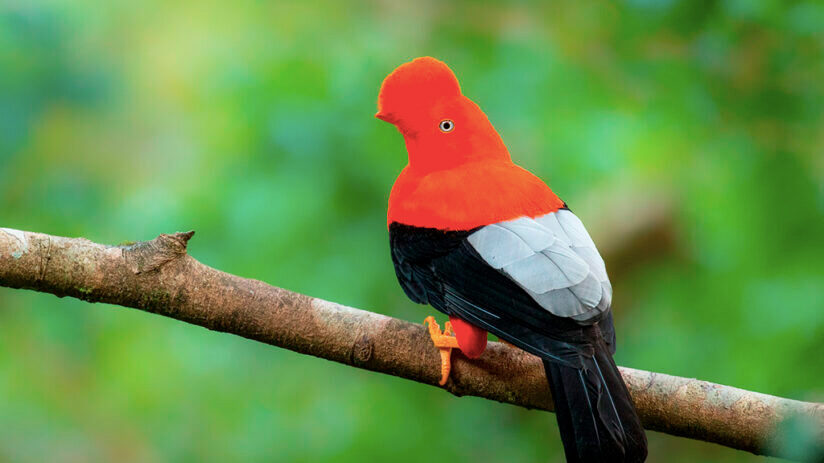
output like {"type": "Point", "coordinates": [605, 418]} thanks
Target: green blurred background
{"type": "Point", "coordinates": [688, 135]}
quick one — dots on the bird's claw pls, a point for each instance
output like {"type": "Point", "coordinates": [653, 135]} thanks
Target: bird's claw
{"type": "Point", "coordinates": [445, 342]}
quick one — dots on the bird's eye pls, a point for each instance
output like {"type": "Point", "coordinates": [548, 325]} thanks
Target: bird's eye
{"type": "Point", "coordinates": [446, 125]}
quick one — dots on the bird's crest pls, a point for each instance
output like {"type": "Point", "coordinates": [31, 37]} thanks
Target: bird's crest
{"type": "Point", "coordinates": [415, 84]}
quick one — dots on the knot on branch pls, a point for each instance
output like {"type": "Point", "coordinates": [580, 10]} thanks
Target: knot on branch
{"type": "Point", "coordinates": [148, 256]}
{"type": "Point", "coordinates": [362, 351]}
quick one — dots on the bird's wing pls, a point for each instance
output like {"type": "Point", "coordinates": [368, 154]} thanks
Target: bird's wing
{"type": "Point", "coordinates": [553, 259]}
{"type": "Point", "coordinates": [521, 280]}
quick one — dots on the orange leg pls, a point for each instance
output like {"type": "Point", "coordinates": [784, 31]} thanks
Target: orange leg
{"type": "Point", "coordinates": [445, 342]}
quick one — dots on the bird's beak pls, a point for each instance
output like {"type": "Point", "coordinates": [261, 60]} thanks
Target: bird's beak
{"type": "Point", "coordinates": [386, 117]}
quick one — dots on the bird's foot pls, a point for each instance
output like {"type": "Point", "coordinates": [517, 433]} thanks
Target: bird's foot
{"type": "Point", "coordinates": [445, 342]}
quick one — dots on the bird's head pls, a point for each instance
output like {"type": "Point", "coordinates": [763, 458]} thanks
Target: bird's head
{"type": "Point", "coordinates": [441, 127]}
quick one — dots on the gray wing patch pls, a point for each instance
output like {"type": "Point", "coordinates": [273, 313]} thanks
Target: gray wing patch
{"type": "Point", "coordinates": [553, 268]}
{"type": "Point", "coordinates": [567, 227]}
{"type": "Point", "coordinates": [553, 259]}
{"type": "Point", "coordinates": [499, 246]}
{"type": "Point", "coordinates": [594, 260]}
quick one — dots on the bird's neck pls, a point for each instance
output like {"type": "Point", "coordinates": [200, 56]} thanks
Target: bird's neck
{"type": "Point", "coordinates": [431, 155]}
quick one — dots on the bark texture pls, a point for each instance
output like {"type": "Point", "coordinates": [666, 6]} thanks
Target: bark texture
{"type": "Point", "coordinates": [159, 277]}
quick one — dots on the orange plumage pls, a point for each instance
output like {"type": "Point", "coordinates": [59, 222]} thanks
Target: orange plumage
{"type": "Point", "coordinates": [457, 179]}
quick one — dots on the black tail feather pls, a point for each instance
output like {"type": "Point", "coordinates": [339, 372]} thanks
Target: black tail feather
{"type": "Point", "coordinates": [596, 417]}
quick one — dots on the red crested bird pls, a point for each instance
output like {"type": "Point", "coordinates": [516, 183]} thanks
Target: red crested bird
{"type": "Point", "coordinates": [490, 245]}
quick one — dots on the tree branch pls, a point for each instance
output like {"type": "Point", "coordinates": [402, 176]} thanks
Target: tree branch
{"type": "Point", "coordinates": [159, 277]}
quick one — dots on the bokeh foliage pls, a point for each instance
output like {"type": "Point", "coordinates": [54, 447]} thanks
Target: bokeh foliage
{"type": "Point", "coordinates": [251, 122]}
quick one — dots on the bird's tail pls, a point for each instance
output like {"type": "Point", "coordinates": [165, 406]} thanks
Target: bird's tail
{"type": "Point", "coordinates": [596, 417]}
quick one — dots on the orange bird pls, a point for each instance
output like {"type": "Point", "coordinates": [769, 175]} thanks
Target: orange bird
{"type": "Point", "coordinates": [489, 244]}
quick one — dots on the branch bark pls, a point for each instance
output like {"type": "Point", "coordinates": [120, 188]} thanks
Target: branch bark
{"type": "Point", "coordinates": [158, 276]}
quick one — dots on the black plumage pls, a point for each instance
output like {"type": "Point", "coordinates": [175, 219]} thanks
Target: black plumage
{"type": "Point", "coordinates": [596, 417]}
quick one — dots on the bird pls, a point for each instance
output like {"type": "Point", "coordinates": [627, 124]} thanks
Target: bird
{"type": "Point", "coordinates": [490, 245]}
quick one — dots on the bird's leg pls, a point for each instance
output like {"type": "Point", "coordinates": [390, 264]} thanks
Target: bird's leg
{"type": "Point", "coordinates": [445, 342]}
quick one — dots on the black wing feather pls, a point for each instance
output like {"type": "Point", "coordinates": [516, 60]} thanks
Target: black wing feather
{"type": "Point", "coordinates": [442, 269]}
{"type": "Point", "coordinates": [596, 417]}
